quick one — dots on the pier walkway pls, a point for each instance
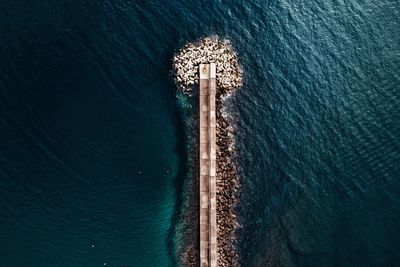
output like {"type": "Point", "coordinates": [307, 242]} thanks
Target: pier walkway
{"type": "Point", "coordinates": [207, 156]}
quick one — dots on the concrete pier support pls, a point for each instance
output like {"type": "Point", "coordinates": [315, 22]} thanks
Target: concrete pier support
{"type": "Point", "coordinates": [208, 217]}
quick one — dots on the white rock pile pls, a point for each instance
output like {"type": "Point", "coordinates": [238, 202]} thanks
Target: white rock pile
{"type": "Point", "coordinates": [207, 50]}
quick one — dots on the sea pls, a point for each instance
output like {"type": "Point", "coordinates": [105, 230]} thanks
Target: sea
{"type": "Point", "coordinates": [94, 133]}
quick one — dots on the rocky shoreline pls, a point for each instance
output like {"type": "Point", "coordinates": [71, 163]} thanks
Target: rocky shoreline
{"type": "Point", "coordinates": [229, 78]}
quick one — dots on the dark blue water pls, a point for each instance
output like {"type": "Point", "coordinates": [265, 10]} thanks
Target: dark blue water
{"type": "Point", "coordinates": [93, 142]}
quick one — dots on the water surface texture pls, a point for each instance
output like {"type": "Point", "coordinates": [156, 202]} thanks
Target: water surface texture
{"type": "Point", "coordinates": [92, 140]}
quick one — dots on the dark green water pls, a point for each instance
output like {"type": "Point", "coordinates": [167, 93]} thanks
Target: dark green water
{"type": "Point", "coordinates": [93, 141]}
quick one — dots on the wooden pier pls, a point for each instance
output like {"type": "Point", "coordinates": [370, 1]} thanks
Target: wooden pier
{"type": "Point", "coordinates": [208, 218]}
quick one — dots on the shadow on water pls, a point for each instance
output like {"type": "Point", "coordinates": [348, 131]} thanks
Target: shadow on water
{"type": "Point", "coordinates": [182, 242]}
{"type": "Point", "coordinates": [178, 182]}
{"type": "Point", "coordinates": [182, 133]}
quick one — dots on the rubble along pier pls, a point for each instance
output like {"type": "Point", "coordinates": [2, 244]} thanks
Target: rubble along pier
{"type": "Point", "coordinates": [207, 165]}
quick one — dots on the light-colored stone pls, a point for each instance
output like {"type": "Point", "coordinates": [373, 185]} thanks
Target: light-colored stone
{"type": "Point", "coordinates": [224, 68]}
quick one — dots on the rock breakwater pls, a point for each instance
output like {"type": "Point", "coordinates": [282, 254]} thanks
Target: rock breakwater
{"type": "Point", "coordinates": [207, 50]}
{"type": "Point", "coordinates": [228, 77]}
{"type": "Point", "coordinates": [227, 188]}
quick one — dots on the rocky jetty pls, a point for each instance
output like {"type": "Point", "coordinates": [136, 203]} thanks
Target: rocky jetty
{"type": "Point", "coordinates": [227, 188]}
{"type": "Point", "coordinates": [229, 78]}
{"type": "Point", "coordinates": [207, 50]}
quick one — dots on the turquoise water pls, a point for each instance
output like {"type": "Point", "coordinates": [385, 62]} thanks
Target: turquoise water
{"type": "Point", "coordinates": [93, 140]}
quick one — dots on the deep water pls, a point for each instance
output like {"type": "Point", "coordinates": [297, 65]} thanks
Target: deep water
{"type": "Point", "coordinates": [93, 142]}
